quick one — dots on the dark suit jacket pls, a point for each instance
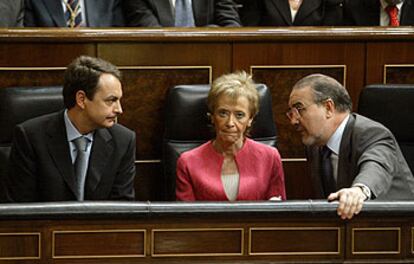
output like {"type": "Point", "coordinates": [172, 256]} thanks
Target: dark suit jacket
{"type": "Point", "coordinates": [159, 13]}
{"type": "Point", "coordinates": [49, 13]}
{"type": "Point", "coordinates": [41, 167]}
{"type": "Point", "coordinates": [11, 13]}
{"type": "Point", "coordinates": [369, 154]}
{"type": "Point", "coordinates": [367, 13]}
{"type": "Point", "coordinates": [277, 13]}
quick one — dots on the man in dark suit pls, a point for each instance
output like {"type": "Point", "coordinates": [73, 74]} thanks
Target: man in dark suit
{"type": "Point", "coordinates": [46, 164]}
{"type": "Point", "coordinates": [160, 13]}
{"type": "Point", "coordinates": [11, 13]}
{"type": "Point", "coordinates": [279, 12]}
{"type": "Point", "coordinates": [373, 12]}
{"type": "Point", "coordinates": [94, 13]}
{"type": "Point", "coordinates": [352, 157]}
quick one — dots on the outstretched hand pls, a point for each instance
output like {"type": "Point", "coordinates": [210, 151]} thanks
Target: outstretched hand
{"type": "Point", "coordinates": [350, 200]}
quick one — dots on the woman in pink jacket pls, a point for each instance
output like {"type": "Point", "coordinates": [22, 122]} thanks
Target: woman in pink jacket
{"type": "Point", "coordinates": [231, 166]}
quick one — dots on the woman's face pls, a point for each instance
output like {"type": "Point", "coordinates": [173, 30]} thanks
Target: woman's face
{"type": "Point", "coordinates": [231, 118]}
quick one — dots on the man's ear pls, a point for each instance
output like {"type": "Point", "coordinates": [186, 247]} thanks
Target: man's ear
{"type": "Point", "coordinates": [330, 107]}
{"type": "Point", "coordinates": [80, 99]}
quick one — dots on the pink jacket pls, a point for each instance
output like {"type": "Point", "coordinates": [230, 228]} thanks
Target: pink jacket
{"type": "Point", "coordinates": [260, 169]}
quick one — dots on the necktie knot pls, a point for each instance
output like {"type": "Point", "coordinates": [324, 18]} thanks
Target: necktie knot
{"type": "Point", "coordinates": [392, 11]}
{"type": "Point", "coordinates": [326, 152]}
{"type": "Point", "coordinates": [81, 143]}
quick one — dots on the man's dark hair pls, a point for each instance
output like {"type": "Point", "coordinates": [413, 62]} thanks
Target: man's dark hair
{"type": "Point", "coordinates": [83, 74]}
{"type": "Point", "coordinates": [324, 88]}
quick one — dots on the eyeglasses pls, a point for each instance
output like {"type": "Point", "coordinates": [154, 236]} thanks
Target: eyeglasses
{"type": "Point", "coordinates": [296, 111]}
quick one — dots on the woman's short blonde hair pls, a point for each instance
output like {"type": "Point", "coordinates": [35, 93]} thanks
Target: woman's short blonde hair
{"type": "Point", "coordinates": [234, 85]}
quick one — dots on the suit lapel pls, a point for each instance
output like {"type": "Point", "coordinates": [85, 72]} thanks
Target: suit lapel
{"type": "Point", "coordinates": [371, 12]}
{"type": "Point", "coordinates": [56, 11]}
{"type": "Point", "coordinates": [165, 12]}
{"type": "Point", "coordinates": [407, 13]}
{"type": "Point", "coordinates": [201, 12]}
{"type": "Point", "coordinates": [102, 149]}
{"type": "Point", "coordinates": [282, 7]}
{"type": "Point", "coordinates": [58, 146]}
{"type": "Point", "coordinates": [307, 7]}
{"type": "Point", "coordinates": [345, 156]}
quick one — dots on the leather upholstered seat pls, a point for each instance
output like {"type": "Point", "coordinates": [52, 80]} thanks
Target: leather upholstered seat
{"type": "Point", "coordinates": [393, 106]}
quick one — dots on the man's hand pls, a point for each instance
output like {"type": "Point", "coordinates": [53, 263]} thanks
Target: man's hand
{"type": "Point", "coordinates": [350, 201]}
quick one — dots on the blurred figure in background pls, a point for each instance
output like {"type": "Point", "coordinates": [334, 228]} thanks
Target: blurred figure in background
{"type": "Point", "coordinates": [73, 13]}
{"type": "Point", "coordinates": [181, 13]}
{"type": "Point", "coordinates": [11, 13]}
{"type": "Point", "coordinates": [379, 12]}
{"type": "Point", "coordinates": [275, 13]}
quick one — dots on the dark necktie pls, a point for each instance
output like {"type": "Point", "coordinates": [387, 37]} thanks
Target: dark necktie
{"type": "Point", "coordinates": [184, 14]}
{"type": "Point", "coordinates": [81, 166]}
{"type": "Point", "coordinates": [73, 14]}
{"type": "Point", "coordinates": [392, 12]}
{"type": "Point", "coordinates": [328, 181]}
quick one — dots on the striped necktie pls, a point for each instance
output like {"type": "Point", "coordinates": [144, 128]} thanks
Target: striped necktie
{"type": "Point", "coordinates": [73, 14]}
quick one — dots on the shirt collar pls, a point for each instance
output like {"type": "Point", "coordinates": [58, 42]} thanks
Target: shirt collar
{"type": "Point", "coordinates": [384, 5]}
{"type": "Point", "coordinates": [334, 142]}
{"type": "Point", "coordinates": [71, 131]}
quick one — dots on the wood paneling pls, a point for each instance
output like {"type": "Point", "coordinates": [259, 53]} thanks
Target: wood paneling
{"type": "Point", "coordinates": [215, 233]}
{"type": "Point", "coordinates": [19, 246]}
{"type": "Point", "coordinates": [197, 242]}
{"type": "Point", "coordinates": [376, 240]}
{"type": "Point", "coordinates": [98, 244]}
{"type": "Point", "coordinates": [35, 76]}
{"type": "Point", "coordinates": [399, 74]}
{"type": "Point", "coordinates": [218, 56]}
{"type": "Point", "coordinates": [144, 94]}
{"type": "Point", "coordinates": [285, 241]}
{"type": "Point", "coordinates": [380, 54]}
{"type": "Point", "coordinates": [29, 54]}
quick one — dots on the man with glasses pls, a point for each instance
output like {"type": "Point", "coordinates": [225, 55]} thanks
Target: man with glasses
{"type": "Point", "coordinates": [352, 158]}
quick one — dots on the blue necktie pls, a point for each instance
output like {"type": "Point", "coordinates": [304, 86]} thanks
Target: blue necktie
{"type": "Point", "coordinates": [328, 181]}
{"type": "Point", "coordinates": [81, 166]}
{"type": "Point", "coordinates": [184, 14]}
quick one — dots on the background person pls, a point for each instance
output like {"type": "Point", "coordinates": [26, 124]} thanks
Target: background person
{"type": "Point", "coordinates": [379, 12]}
{"type": "Point", "coordinates": [73, 13]}
{"type": "Point", "coordinates": [11, 13]}
{"type": "Point", "coordinates": [163, 13]}
{"type": "Point", "coordinates": [291, 12]}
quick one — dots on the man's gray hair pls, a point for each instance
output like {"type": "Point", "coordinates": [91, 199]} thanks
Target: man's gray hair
{"type": "Point", "coordinates": [324, 88]}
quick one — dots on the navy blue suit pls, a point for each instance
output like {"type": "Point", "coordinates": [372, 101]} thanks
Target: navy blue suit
{"type": "Point", "coordinates": [49, 13]}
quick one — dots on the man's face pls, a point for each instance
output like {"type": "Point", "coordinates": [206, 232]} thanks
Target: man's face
{"type": "Point", "coordinates": [103, 109]}
{"type": "Point", "coordinates": [308, 118]}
